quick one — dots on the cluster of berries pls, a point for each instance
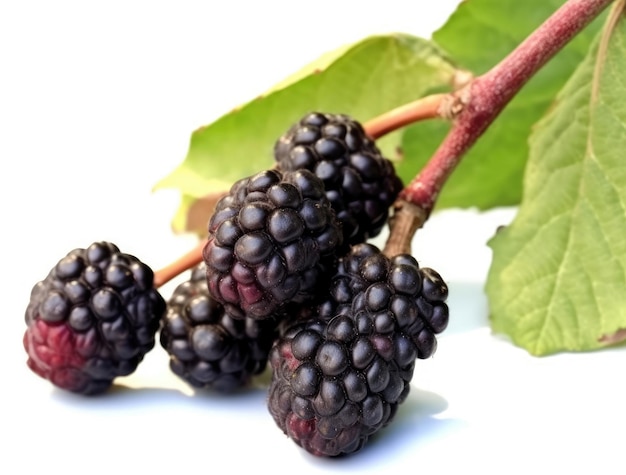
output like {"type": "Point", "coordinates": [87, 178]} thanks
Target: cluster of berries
{"type": "Point", "coordinates": [287, 277]}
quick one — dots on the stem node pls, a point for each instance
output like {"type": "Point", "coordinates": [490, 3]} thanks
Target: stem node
{"type": "Point", "coordinates": [453, 104]}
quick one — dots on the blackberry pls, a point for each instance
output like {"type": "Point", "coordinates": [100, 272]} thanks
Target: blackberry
{"type": "Point", "coordinates": [208, 348]}
{"type": "Point", "coordinates": [413, 298]}
{"type": "Point", "coordinates": [270, 241]}
{"type": "Point", "coordinates": [341, 369]}
{"type": "Point", "coordinates": [360, 183]}
{"type": "Point", "coordinates": [335, 384]}
{"type": "Point", "coordinates": [93, 318]}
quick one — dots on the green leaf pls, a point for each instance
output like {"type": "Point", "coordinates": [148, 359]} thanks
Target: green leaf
{"type": "Point", "coordinates": [363, 80]}
{"type": "Point", "coordinates": [478, 35]}
{"type": "Point", "coordinates": [558, 277]}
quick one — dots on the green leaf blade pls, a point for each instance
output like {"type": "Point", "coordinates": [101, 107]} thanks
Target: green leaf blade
{"type": "Point", "coordinates": [558, 277]}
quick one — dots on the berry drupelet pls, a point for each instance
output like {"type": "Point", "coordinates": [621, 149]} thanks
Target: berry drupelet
{"type": "Point", "coordinates": [92, 319]}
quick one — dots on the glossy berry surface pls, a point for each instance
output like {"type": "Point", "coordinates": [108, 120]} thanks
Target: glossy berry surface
{"type": "Point", "coordinates": [271, 241]}
{"type": "Point", "coordinates": [336, 383]}
{"type": "Point", "coordinates": [208, 348]}
{"type": "Point", "coordinates": [92, 319]}
{"type": "Point", "coordinates": [342, 366]}
{"type": "Point", "coordinates": [407, 297]}
{"type": "Point", "coordinates": [360, 183]}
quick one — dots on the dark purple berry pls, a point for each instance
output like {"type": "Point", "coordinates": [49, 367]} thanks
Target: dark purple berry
{"type": "Point", "coordinates": [360, 183]}
{"type": "Point", "coordinates": [342, 366]}
{"type": "Point", "coordinates": [332, 387]}
{"type": "Point", "coordinates": [271, 241]}
{"type": "Point", "coordinates": [403, 296]}
{"type": "Point", "coordinates": [207, 347]}
{"type": "Point", "coordinates": [92, 319]}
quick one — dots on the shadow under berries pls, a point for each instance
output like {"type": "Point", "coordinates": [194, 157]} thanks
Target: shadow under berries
{"type": "Point", "coordinates": [416, 425]}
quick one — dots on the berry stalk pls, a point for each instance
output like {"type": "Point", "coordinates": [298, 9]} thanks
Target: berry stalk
{"type": "Point", "coordinates": [479, 103]}
{"type": "Point", "coordinates": [185, 262]}
{"type": "Point", "coordinates": [429, 107]}
{"type": "Point", "coordinates": [443, 106]}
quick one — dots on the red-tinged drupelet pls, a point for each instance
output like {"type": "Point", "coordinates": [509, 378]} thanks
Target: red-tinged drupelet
{"type": "Point", "coordinates": [92, 319]}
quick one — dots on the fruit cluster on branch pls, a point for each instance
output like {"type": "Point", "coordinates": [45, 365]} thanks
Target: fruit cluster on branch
{"type": "Point", "coordinates": [286, 275]}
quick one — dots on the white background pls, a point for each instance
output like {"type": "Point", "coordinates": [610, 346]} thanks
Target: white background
{"type": "Point", "coordinates": [97, 103]}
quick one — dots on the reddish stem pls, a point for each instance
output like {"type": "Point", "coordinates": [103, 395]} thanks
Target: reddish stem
{"type": "Point", "coordinates": [490, 93]}
{"type": "Point", "coordinates": [180, 265]}
{"type": "Point", "coordinates": [428, 107]}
